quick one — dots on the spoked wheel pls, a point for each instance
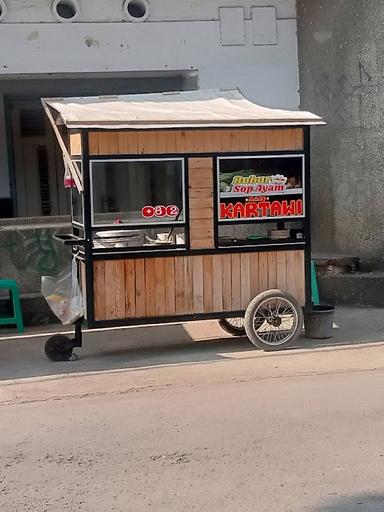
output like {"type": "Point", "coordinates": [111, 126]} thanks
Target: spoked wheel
{"type": "Point", "coordinates": [58, 348]}
{"type": "Point", "coordinates": [234, 326]}
{"type": "Point", "coordinates": [273, 320]}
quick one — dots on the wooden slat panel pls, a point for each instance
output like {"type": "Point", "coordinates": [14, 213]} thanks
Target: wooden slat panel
{"type": "Point", "coordinates": [200, 163]}
{"type": "Point", "coordinates": [169, 286]}
{"type": "Point", "coordinates": [263, 271]}
{"type": "Point", "coordinates": [130, 289]}
{"type": "Point", "coordinates": [99, 290]}
{"type": "Point", "coordinates": [171, 141]}
{"type": "Point", "coordinates": [159, 287]}
{"type": "Point", "coordinates": [75, 144]}
{"type": "Point", "coordinates": [295, 275]}
{"type": "Point", "coordinates": [257, 140]}
{"type": "Point", "coordinates": [133, 143]}
{"type": "Point", "coordinates": [245, 279]}
{"type": "Point", "coordinates": [202, 243]}
{"type": "Point", "coordinates": [225, 140]}
{"type": "Point", "coordinates": [201, 226]}
{"type": "Point", "coordinates": [151, 142]}
{"type": "Point", "coordinates": [202, 202]}
{"type": "Point", "coordinates": [217, 283]}
{"type": "Point", "coordinates": [195, 141]}
{"type": "Point", "coordinates": [199, 193]}
{"type": "Point", "coordinates": [120, 287]}
{"type": "Point", "coordinates": [201, 179]}
{"type": "Point", "coordinates": [281, 270]}
{"type": "Point", "coordinates": [227, 281]}
{"type": "Point", "coordinates": [162, 142]}
{"type": "Point", "coordinates": [208, 283]}
{"type": "Point", "coordinates": [188, 285]}
{"type": "Point", "coordinates": [110, 290]}
{"type": "Point", "coordinates": [217, 143]}
{"type": "Point", "coordinates": [179, 285]}
{"type": "Point", "coordinates": [140, 287]}
{"type": "Point", "coordinates": [272, 271]}
{"type": "Point", "coordinates": [202, 213]}
{"type": "Point", "coordinates": [300, 271]}
{"type": "Point", "coordinates": [275, 140]}
{"type": "Point", "coordinates": [299, 138]}
{"type": "Point", "coordinates": [141, 143]}
{"type": "Point", "coordinates": [255, 286]}
{"type": "Point", "coordinates": [123, 143]}
{"type": "Point", "coordinates": [103, 143]}
{"type": "Point", "coordinates": [181, 142]}
{"type": "Point", "coordinates": [150, 305]}
{"type": "Point", "coordinates": [93, 142]}
{"type": "Point", "coordinates": [235, 282]}
{"type": "Point", "coordinates": [198, 285]}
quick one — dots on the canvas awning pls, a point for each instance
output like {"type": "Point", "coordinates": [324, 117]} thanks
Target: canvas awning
{"type": "Point", "coordinates": [196, 109]}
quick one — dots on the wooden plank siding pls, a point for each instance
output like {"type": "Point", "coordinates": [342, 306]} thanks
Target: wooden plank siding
{"type": "Point", "coordinates": [200, 191]}
{"type": "Point", "coordinates": [163, 142]}
{"type": "Point", "coordinates": [184, 285]}
{"type": "Point", "coordinates": [75, 144]}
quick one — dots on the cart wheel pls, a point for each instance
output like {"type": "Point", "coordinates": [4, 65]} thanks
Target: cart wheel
{"type": "Point", "coordinates": [234, 326]}
{"type": "Point", "coordinates": [273, 320]}
{"type": "Point", "coordinates": [58, 348]}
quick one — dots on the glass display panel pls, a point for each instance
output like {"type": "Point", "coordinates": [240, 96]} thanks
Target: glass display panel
{"type": "Point", "coordinates": [77, 207]}
{"type": "Point", "coordinates": [256, 233]}
{"type": "Point", "coordinates": [265, 187]}
{"type": "Point", "coordinates": [135, 192]}
{"type": "Point", "coordinates": [151, 237]}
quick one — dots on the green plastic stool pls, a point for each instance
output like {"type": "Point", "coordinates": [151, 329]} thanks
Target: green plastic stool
{"type": "Point", "coordinates": [315, 289]}
{"type": "Point", "coordinates": [17, 318]}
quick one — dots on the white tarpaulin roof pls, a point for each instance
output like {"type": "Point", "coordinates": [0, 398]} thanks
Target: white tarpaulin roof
{"type": "Point", "coordinates": [212, 108]}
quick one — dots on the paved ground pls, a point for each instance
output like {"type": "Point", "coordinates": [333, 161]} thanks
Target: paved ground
{"type": "Point", "coordinates": [151, 420]}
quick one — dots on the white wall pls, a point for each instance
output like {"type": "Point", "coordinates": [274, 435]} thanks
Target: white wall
{"type": "Point", "coordinates": [178, 35]}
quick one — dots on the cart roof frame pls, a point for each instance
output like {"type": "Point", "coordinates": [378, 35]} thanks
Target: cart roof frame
{"type": "Point", "coordinates": [172, 110]}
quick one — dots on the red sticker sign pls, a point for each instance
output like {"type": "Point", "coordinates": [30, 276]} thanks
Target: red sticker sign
{"type": "Point", "coordinates": [160, 211]}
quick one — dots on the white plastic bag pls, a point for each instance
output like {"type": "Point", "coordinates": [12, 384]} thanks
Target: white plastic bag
{"type": "Point", "coordinates": [63, 294]}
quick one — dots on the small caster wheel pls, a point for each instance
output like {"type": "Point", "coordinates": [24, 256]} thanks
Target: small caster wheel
{"type": "Point", "coordinates": [234, 326]}
{"type": "Point", "coordinates": [273, 320]}
{"type": "Point", "coordinates": [58, 348]}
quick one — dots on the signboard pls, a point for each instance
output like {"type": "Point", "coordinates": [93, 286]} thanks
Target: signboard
{"type": "Point", "coordinates": [262, 187]}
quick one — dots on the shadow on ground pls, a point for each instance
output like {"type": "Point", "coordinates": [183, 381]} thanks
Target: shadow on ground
{"type": "Point", "coordinates": [162, 345]}
{"type": "Point", "coordinates": [356, 503]}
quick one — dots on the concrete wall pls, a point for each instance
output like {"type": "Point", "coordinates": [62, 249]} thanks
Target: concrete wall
{"type": "Point", "coordinates": [341, 63]}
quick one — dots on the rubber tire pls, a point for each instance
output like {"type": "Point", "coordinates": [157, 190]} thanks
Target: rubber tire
{"type": "Point", "coordinates": [58, 348]}
{"type": "Point", "coordinates": [231, 329]}
{"type": "Point", "coordinates": [254, 305]}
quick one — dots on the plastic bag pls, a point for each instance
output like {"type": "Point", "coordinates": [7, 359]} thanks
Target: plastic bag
{"type": "Point", "coordinates": [63, 294]}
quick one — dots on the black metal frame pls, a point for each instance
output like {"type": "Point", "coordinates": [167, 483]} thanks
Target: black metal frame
{"type": "Point", "coordinates": [85, 252]}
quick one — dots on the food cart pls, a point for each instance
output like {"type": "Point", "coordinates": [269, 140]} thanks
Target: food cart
{"type": "Point", "coordinates": [188, 206]}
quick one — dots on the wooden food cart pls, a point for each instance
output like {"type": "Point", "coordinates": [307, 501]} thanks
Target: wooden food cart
{"type": "Point", "coordinates": [188, 206]}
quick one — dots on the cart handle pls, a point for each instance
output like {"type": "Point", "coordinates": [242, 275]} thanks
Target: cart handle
{"type": "Point", "coordinates": [69, 239]}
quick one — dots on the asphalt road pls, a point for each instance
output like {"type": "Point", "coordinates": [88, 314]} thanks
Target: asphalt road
{"type": "Point", "coordinates": [284, 444]}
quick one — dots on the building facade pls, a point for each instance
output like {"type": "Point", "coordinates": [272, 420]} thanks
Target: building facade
{"type": "Point", "coordinates": [51, 48]}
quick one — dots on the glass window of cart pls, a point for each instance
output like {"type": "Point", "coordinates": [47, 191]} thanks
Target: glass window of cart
{"type": "Point", "coordinates": [146, 195]}
{"type": "Point", "coordinates": [77, 203]}
{"type": "Point", "coordinates": [260, 199]}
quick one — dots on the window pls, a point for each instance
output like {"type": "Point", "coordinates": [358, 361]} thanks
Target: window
{"type": "Point", "coordinates": [77, 202]}
{"type": "Point", "coordinates": [65, 10]}
{"type": "Point", "coordinates": [3, 10]}
{"type": "Point", "coordinates": [136, 10]}
{"type": "Point", "coordinates": [260, 199]}
{"type": "Point", "coordinates": [147, 195]}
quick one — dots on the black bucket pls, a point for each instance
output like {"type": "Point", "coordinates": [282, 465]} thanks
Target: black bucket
{"type": "Point", "coordinates": [318, 321]}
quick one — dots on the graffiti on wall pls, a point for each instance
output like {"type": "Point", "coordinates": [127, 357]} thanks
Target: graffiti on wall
{"type": "Point", "coordinates": [32, 250]}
